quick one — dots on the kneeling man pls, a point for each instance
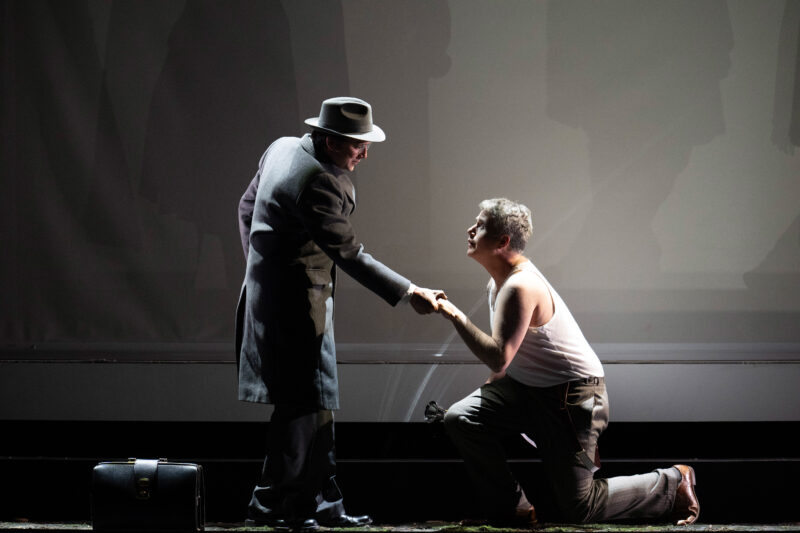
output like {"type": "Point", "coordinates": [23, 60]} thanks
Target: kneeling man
{"type": "Point", "coordinates": [547, 383]}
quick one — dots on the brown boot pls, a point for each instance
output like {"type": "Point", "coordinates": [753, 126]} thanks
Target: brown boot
{"type": "Point", "coordinates": [686, 508]}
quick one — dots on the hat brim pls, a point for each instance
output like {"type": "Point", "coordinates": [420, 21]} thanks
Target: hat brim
{"type": "Point", "coordinates": [376, 135]}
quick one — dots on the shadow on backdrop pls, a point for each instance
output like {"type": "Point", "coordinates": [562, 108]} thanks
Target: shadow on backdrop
{"type": "Point", "coordinates": [780, 269]}
{"type": "Point", "coordinates": [131, 130]}
{"type": "Point", "coordinates": [133, 53]}
{"type": "Point", "coordinates": [227, 89]}
{"type": "Point", "coordinates": [642, 79]}
{"type": "Point", "coordinates": [52, 95]}
{"type": "Point", "coordinates": [320, 56]}
{"type": "Point", "coordinates": [786, 115]}
{"type": "Point", "coordinates": [398, 48]}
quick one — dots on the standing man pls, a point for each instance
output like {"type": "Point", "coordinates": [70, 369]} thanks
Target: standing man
{"type": "Point", "coordinates": [295, 227]}
{"type": "Point", "coordinates": [547, 383]}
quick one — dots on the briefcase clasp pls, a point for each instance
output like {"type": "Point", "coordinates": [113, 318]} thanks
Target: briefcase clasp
{"type": "Point", "coordinates": [143, 488]}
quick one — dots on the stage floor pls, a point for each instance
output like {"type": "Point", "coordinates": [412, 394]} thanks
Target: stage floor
{"type": "Point", "coordinates": [447, 527]}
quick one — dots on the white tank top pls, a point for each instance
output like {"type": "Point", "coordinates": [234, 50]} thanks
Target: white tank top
{"type": "Point", "coordinates": [555, 352]}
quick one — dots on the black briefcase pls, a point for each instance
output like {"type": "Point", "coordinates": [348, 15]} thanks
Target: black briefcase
{"type": "Point", "coordinates": [148, 494]}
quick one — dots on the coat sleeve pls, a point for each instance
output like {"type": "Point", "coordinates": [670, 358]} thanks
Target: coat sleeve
{"type": "Point", "coordinates": [246, 206]}
{"type": "Point", "coordinates": [325, 213]}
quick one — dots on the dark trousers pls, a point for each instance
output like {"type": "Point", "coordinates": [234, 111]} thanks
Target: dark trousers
{"type": "Point", "coordinates": [298, 480]}
{"type": "Point", "coordinates": [565, 422]}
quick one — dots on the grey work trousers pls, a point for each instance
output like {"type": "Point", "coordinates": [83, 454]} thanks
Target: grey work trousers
{"type": "Point", "coordinates": [564, 421]}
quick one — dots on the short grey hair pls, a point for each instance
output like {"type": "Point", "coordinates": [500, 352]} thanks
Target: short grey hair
{"type": "Point", "coordinates": [506, 217]}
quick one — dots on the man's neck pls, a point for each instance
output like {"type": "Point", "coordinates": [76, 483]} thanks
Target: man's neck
{"type": "Point", "coordinates": [500, 266]}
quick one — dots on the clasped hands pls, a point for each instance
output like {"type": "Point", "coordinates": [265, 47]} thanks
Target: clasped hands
{"type": "Point", "coordinates": [425, 301]}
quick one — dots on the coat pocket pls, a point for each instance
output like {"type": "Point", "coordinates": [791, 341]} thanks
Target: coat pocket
{"type": "Point", "coordinates": [318, 278]}
{"type": "Point", "coordinates": [320, 300]}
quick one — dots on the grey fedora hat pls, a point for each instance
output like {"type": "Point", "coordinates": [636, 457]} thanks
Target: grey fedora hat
{"type": "Point", "coordinates": [348, 117]}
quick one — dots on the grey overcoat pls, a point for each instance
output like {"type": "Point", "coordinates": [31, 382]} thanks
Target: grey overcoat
{"type": "Point", "coordinates": [294, 219]}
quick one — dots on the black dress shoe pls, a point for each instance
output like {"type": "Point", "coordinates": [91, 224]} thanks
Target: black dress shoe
{"type": "Point", "coordinates": [277, 524]}
{"type": "Point", "coordinates": [309, 524]}
{"type": "Point", "coordinates": [686, 508]}
{"type": "Point", "coordinates": [345, 520]}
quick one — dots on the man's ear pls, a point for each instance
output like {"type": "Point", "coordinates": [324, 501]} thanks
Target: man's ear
{"type": "Point", "coordinates": [504, 241]}
{"type": "Point", "coordinates": [330, 143]}
{"type": "Point", "coordinates": [334, 144]}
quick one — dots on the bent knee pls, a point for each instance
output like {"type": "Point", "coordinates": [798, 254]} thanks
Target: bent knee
{"type": "Point", "coordinates": [578, 514]}
{"type": "Point", "coordinates": [457, 420]}
{"type": "Point", "coordinates": [451, 417]}
{"type": "Point", "coordinates": [579, 508]}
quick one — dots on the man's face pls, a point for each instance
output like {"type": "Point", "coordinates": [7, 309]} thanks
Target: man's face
{"type": "Point", "coordinates": [479, 242]}
{"type": "Point", "coordinates": [347, 154]}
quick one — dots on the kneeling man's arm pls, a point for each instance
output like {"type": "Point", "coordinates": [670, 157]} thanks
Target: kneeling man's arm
{"type": "Point", "coordinates": [514, 308]}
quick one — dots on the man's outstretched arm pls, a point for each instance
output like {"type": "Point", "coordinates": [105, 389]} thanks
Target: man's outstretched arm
{"type": "Point", "coordinates": [320, 207]}
{"type": "Point", "coordinates": [515, 305]}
